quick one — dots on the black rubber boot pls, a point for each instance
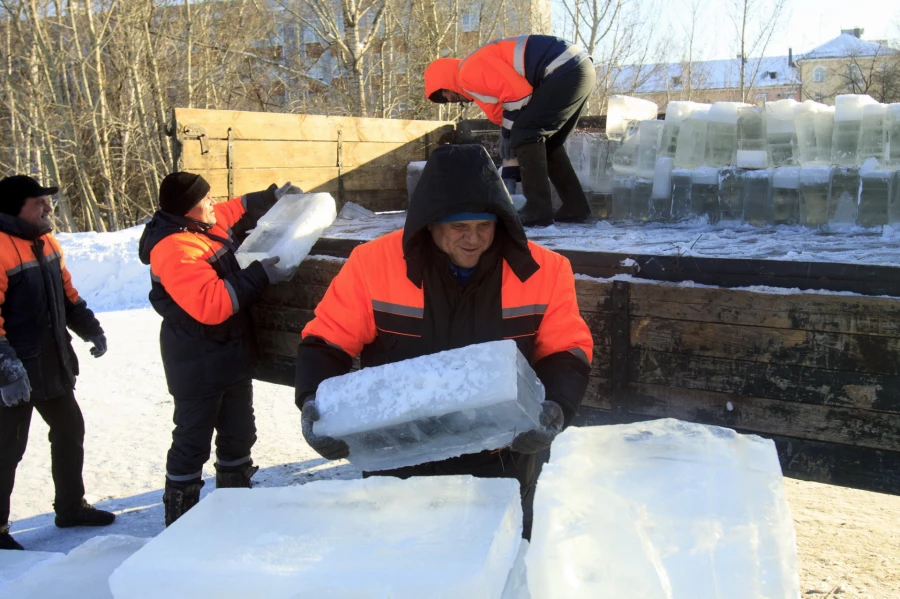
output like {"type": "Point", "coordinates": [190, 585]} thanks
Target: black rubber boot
{"type": "Point", "coordinates": [538, 210]}
{"type": "Point", "coordinates": [85, 515]}
{"type": "Point", "coordinates": [511, 175]}
{"type": "Point", "coordinates": [235, 479]}
{"type": "Point", "coordinates": [6, 540]}
{"type": "Point", "coordinates": [575, 207]}
{"type": "Point", "coordinates": [178, 500]}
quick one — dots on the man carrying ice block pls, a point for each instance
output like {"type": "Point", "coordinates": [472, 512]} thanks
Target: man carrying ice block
{"type": "Point", "coordinates": [207, 340]}
{"type": "Point", "coordinates": [460, 272]}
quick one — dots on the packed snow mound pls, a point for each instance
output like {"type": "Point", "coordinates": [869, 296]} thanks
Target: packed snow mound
{"type": "Point", "coordinates": [106, 269]}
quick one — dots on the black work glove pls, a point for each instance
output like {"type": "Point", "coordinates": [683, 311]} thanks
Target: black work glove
{"type": "Point", "coordinates": [287, 189]}
{"type": "Point", "coordinates": [268, 265]}
{"type": "Point", "coordinates": [506, 153]}
{"type": "Point", "coordinates": [99, 342]}
{"type": "Point", "coordinates": [17, 392]}
{"type": "Point", "coordinates": [327, 447]}
{"type": "Point", "coordinates": [539, 439]}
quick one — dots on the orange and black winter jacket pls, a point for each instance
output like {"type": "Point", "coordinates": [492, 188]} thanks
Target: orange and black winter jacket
{"type": "Point", "coordinates": [37, 304]}
{"type": "Point", "coordinates": [206, 339]}
{"type": "Point", "coordinates": [501, 75]}
{"type": "Point", "coordinates": [396, 297]}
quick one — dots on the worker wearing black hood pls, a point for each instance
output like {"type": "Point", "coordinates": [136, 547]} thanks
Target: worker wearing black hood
{"type": "Point", "coordinates": [460, 272]}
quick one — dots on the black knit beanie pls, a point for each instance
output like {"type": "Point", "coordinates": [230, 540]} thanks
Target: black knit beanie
{"type": "Point", "coordinates": [16, 189]}
{"type": "Point", "coordinates": [179, 192]}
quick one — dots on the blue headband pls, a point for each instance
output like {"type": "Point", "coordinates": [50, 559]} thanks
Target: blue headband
{"type": "Point", "coordinates": [453, 218]}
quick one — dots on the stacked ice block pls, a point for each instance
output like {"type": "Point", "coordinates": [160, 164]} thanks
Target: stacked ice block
{"type": "Point", "coordinates": [815, 185]}
{"type": "Point", "coordinates": [893, 127]}
{"type": "Point", "coordinates": [721, 133]}
{"type": "Point", "coordinates": [690, 152]}
{"type": "Point", "coordinates": [780, 132]}
{"type": "Point", "coordinates": [288, 230]}
{"type": "Point", "coordinates": [848, 113]}
{"type": "Point", "coordinates": [786, 195]}
{"type": "Point", "coordinates": [873, 133]}
{"type": "Point", "coordinates": [752, 142]}
{"type": "Point", "coordinates": [662, 510]}
{"type": "Point", "coordinates": [432, 407]}
{"type": "Point", "coordinates": [441, 537]}
{"type": "Point", "coordinates": [83, 573]}
{"type": "Point", "coordinates": [623, 110]}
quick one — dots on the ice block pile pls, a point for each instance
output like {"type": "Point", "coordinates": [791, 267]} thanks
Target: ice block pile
{"type": "Point", "coordinates": [440, 537]}
{"type": "Point", "coordinates": [653, 170]}
{"type": "Point", "coordinates": [662, 509]}
{"type": "Point", "coordinates": [288, 230]}
{"type": "Point", "coordinates": [84, 572]}
{"type": "Point", "coordinates": [432, 407]}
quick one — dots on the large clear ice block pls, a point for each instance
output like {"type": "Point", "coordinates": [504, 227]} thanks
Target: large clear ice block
{"type": "Point", "coordinates": [621, 198]}
{"type": "Point", "coordinates": [874, 197]}
{"type": "Point", "coordinates": [843, 201]}
{"type": "Point", "coordinates": [815, 185]}
{"type": "Point", "coordinates": [824, 134]}
{"type": "Point", "coordinates": [682, 205]}
{"type": "Point", "coordinates": [873, 134]}
{"type": "Point", "coordinates": [16, 564]}
{"type": "Point", "coordinates": [83, 573]}
{"type": "Point", "coordinates": [786, 195]}
{"type": "Point", "coordinates": [705, 192]}
{"type": "Point", "coordinates": [721, 133]}
{"type": "Point", "coordinates": [690, 152]}
{"type": "Point", "coordinates": [731, 196]}
{"type": "Point", "coordinates": [288, 230]}
{"type": "Point", "coordinates": [648, 147]}
{"type": "Point", "coordinates": [625, 160]}
{"type": "Point", "coordinates": [676, 112]}
{"type": "Point", "coordinates": [640, 199]}
{"type": "Point", "coordinates": [662, 510]}
{"type": "Point", "coordinates": [893, 130]}
{"type": "Point", "coordinates": [578, 147]}
{"type": "Point", "coordinates": [602, 152]}
{"type": "Point", "coordinates": [758, 197]}
{"type": "Point", "coordinates": [894, 209]}
{"type": "Point", "coordinates": [661, 195]}
{"type": "Point", "coordinates": [624, 110]}
{"type": "Point", "coordinates": [848, 112]}
{"type": "Point", "coordinates": [805, 128]}
{"type": "Point", "coordinates": [432, 407]}
{"type": "Point", "coordinates": [752, 144]}
{"type": "Point", "coordinates": [435, 537]}
{"type": "Point", "coordinates": [780, 132]}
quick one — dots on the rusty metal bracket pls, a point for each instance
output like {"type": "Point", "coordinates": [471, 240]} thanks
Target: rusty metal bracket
{"type": "Point", "coordinates": [229, 161]}
{"type": "Point", "coordinates": [340, 167]}
{"type": "Point", "coordinates": [621, 345]}
{"type": "Point", "coordinates": [199, 133]}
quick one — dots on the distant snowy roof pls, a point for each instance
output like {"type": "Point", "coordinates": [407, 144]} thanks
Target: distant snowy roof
{"type": "Point", "coordinates": [772, 71]}
{"type": "Point", "coordinates": [846, 45]}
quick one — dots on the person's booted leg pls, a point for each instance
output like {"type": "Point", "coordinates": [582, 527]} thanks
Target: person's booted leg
{"type": "Point", "coordinates": [6, 540]}
{"type": "Point", "coordinates": [538, 211]}
{"type": "Point", "coordinates": [235, 437]}
{"type": "Point", "coordinates": [235, 477]}
{"type": "Point", "coordinates": [575, 207]}
{"type": "Point", "coordinates": [14, 424]}
{"type": "Point", "coordinates": [179, 498]}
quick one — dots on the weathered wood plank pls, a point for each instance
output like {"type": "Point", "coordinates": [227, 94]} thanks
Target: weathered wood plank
{"type": "Point", "coordinates": [830, 351]}
{"type": "Point", "coordinates": [281, 318]}
{"type": "Point", "coordinates": [316, 270]}
{"type": "Point", "coordinates": [304, 154]}
{"type": "Point", "coordinates": [278, 343]}
{"type": "Point", "coordinates": [593, 296]}
{"type": "Point", "coordinates": [770, 380]}
{"type": "Point", "coordinates": [308, 127]}
{"type": "Point", "coordinates": [309, 179]}
{"type": "Point", "coordinates": [848, 426]}
{"type": "Point", "coordinates": [806, 311]}
{"type": "Point", "coordinates": [378, 200]}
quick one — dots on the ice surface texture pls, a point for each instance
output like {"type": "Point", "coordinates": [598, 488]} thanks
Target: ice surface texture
{"type": "Point", "coordinates": [624, 109]}
{"type": "Point", "coordinates": [83, 573]}
{"type": "Point", "coordinates": [288, 230]}
{"type": "Point", "coordinates": [432, 407]}
{"type": "Point", "coordinates": [16, 564]}
{"type": "Point", "coordinates": [430, 537]}
{"type": "Point", "coordinates": [663, 509]}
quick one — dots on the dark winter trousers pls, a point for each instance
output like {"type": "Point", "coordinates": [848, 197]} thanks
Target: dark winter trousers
{"type": "Point", "coordinates": [555, 107]}
{"type": "Point", "coordinates": [503, 464]}
{"type": "Point", "coordinates": [229, 412]}
{"type": "Point", "coordinates": [66, 423]}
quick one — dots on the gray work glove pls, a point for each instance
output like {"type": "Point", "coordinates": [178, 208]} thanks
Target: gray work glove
{"type": "Point", "coordinates": [539, 439]}
{"type": "Point", "coordinates": [99, 342]}
{"type": "Point", "coordinates": [17, 392]}
{"type": "Point", "coordinates": [268, 265]}
{"type": "Point", "coordinates": [506, 153]}
{"type": "Point", "coordinates": [287, 189]}
{"type": "Point", "coordinates": [327, 447]}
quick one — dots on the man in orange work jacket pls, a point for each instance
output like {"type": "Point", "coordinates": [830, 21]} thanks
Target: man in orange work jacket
{"type": "Point", "coordinates": [460, 272]}
{"type": "Point", "coordinates": [207, 339]}
{"type": "Point", "coordinates": [535, 87]}
{"type": "Point", "coordinates": [37, 364]}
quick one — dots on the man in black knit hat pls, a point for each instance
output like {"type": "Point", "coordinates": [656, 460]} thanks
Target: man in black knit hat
{"type": "Point", "coordinates": [37, 364]}
{"type": "Point", "coordinates": [207, 339]}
